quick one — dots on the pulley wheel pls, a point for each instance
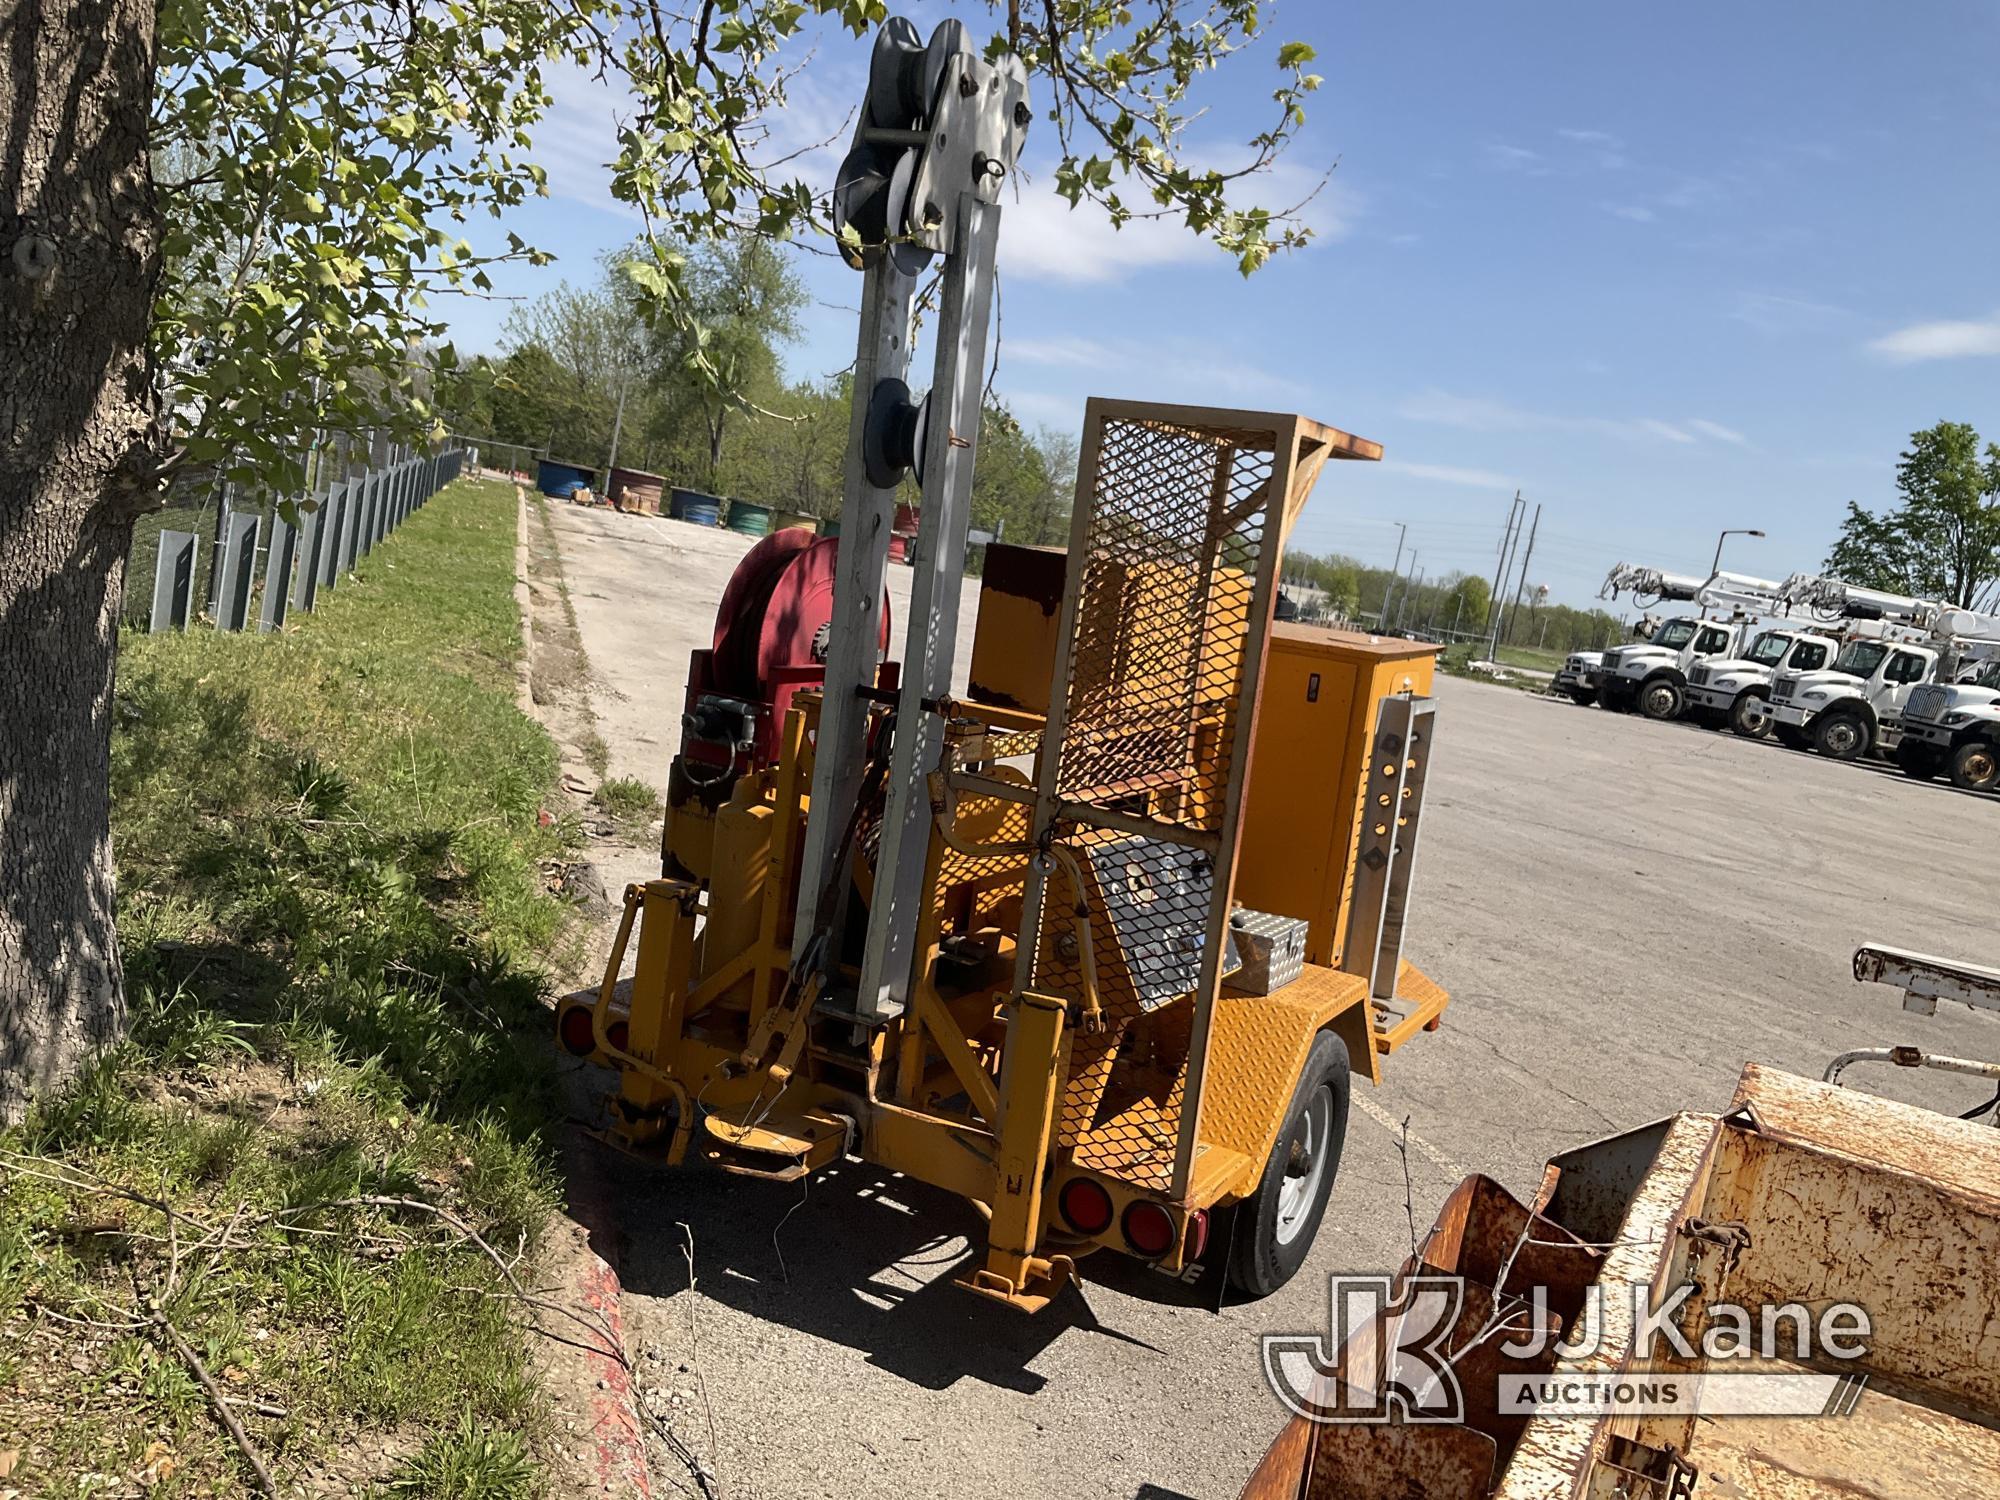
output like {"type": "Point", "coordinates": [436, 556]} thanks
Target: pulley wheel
{"type": "Point", "coordinates": [909, 256]}
{"type": "Point", "coordinates": [861, 202]}
{"type": "Point", "coordinates": [896, 96]}
{"type": "Point", "coordinates": [892, 436]}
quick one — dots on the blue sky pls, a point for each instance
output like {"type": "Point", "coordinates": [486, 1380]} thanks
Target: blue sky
{"type": "Point", "coordinates": [1666, 270]}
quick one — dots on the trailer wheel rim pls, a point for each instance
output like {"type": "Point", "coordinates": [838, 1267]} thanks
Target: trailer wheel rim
{"type": "Point", "coordinates": [1842, 736]}
{"type": "Point", "coordinates": [1752, 714]}
{"type": "Point", "coordinates": [1306, 1165]}
{"type": "Point", "coordinates": [1659, 700]}
{"type": "Point", "coordinates": [1979, 767]}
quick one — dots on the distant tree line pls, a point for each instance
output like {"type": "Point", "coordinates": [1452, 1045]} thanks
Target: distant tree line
{"type": "Point", "coordinates": [1457, 604]}
{"type": "Point", "coordinates": [712, 411]}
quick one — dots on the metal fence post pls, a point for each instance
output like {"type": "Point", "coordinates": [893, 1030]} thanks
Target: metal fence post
{"type": "Point", "coordinates": [236, 569]}
{"type": "Point", "coordinates": [173, 580]}
{"type": "Point", "coordinates": [350, 539]}
{"type": "Point", "coordinates": [278, 573]}
{"type": "Point", "coordinates": [305, 591]}
{"type": "Point", "coordinates": [334, 508]}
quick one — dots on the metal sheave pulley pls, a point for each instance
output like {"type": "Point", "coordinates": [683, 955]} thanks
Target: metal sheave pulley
{"type": "Point", "coordinates": [871, 192]}
{"type": "Point", "coordinates": [892, 436]}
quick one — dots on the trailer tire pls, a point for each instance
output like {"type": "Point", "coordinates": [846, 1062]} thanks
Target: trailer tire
{"type": "Point", "coordinates": [1660, 698]}
{"type": "Point", "coordinates": [1750, 715]}
{"type": "Point", "coordinates": [1842, 734]}
{"type": "Point", "coordinates": [1975, 766]}
{"type": "Point", "coordinates": [1277, 1224]}
{"type": "Point", "coordinates": [1919, 761]}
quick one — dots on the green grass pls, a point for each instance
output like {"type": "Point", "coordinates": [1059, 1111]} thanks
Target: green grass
{"type": "Point", "coordinates": [1532, 658]}
{"type": "Point", "coordinates": [629, 800]}
{"type": "Point", "coordinates": [337, 941]}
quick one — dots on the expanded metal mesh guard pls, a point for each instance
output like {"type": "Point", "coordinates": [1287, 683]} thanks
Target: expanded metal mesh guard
{"type": "Point", "coordinates": [1177, 522]}
{"type": "Point", "coordinates": [1169, 593]}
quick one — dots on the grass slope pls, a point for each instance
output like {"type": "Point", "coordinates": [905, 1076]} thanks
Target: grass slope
{"type": "Point", "coordinates": [336, 930]}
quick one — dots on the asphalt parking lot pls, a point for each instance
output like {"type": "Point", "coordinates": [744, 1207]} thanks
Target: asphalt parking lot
{"type": "Point", "coordinates": [1624, 913]}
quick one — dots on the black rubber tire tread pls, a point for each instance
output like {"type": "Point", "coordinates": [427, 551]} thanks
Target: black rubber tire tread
{"type": "Point", "coordinates": [1824, 724]}
{"type": "Point", "coordinates": [1644, 703]}
{"type": "Point", "coordinates": [1963, 759]}
{"type": "Point", "coordinates": [1737, 720]}
{"type": "Point", "coordinates": [1258, 1263]}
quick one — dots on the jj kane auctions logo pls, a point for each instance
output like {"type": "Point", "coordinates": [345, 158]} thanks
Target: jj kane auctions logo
{"type": "Point", "coordinates": [1402, 1335]}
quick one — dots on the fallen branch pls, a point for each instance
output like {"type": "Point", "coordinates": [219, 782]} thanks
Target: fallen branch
{"type": "Point", "coordinates": [219, 1402]}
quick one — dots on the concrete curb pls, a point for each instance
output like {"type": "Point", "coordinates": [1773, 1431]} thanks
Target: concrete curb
{"type": "Point", "coordinates": [617, 1430]}
{"type": "Point", "coordinates": [523, 694]}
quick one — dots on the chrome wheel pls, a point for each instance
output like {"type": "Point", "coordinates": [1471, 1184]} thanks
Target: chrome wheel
{"type": "Point", "coordinates": [1305, 1166]}
{"type": "Point", "coordinates": [1752, 716]}
{"type": "Point", "coordinates": [1976, 768]}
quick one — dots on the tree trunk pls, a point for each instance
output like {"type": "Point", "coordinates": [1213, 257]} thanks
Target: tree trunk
{"type": "Point", "coordinates": [78, 264]}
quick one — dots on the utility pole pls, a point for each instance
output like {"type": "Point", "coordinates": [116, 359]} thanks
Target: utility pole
{"type": "Point", "coordinates": [1501, 570]}
{"type": "Point", "coordinates": [1521, 585]}
{"type": "Point", "coordinates": [1396, 567]}
{"type": "Point", "coordinates": [617, 427]}
{"type": "Point", "coordinates": [1403, 599]}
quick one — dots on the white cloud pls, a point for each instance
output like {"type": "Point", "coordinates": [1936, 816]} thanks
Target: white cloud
{"type": "Point", "coordinates": [1066, 351]}
{"type": "Point", "coordinates": [1717, 431]}
{"type": "Point", "coordinates": [1477, 479]}
{"type": "Point", "coordinates": [578, 137]}
{"type": "Point", "coordinates": [1941, 340]}
{"type": "Point", "coordinates": [1043, 239]}
{"type": "Point", "coordinates": [1045, 409]}
{"type": "Point", "coordinates": [1514, 158]}
{"type": "Point", "coordinates": [1483, 414]}
{"type": "Point", "coordinates": [1665, 430]}
{"type": "Point", "coordinates": [1172, 369]}
{"type": "Point", "coordinates": [1773, 313]}
{"type": "Point", "coordinates": [1638, 213]}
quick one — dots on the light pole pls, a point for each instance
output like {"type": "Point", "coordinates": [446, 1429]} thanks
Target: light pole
{"type": "Point", "coordinates": [1716, 566]}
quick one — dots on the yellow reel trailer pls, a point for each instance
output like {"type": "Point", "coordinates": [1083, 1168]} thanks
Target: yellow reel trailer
{"type": "Point", "coordinates": [1096, 946]}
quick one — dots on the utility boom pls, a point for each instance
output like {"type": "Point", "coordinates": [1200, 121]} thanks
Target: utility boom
{"type": "Point", "coordinates": [1896, 648]}
{"type": "Point", "coordinates": [1953, 727]}
{"type": "Point", "coordinates": [1731, 611]}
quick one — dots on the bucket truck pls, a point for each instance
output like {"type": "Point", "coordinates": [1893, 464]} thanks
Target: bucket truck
{"type": "Point", "coordinates": [1736, 691]}
{"type": "Point", "coordinates": [1895, 644]}
{"type": "Point", "coordinates": [1954, 726]}
{"type": "Point", "coordinates": [1731, 611]}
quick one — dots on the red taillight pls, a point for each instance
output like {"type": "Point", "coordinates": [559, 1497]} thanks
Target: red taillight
{"type": "Point", "coordinates": [1085, 1206]}
{"type": "Point", "coordinates": [576, 1032]}
{"type": "Point", "coordinates": [617, 1034]}
{"type": "Point", "coordinates": [1149, 1230]}
{"type": "Point", "coordinates": [1197, 1234]}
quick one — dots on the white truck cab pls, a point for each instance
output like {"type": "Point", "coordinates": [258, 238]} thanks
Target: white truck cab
{"type": "Point", "coordinates": [1736, 690]}
{"type": "Point", "coordinates": [1954, 727]}
{"type": "Point", "coordinates": [1854, 706]}
{"type": "Point", "coordinates": [1650, 675]}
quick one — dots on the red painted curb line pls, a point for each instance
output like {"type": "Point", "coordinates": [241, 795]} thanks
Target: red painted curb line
{"type": "Point", "coordinates": [615, 1425]}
